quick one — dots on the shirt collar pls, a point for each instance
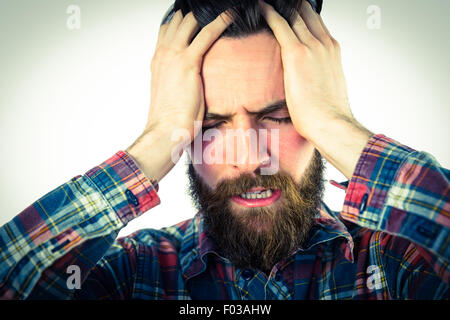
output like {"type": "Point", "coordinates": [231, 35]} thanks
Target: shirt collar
{"type": "Point", "coordinates": [196, 244]}
{"type": "Point", "coordinates": [329, 227]}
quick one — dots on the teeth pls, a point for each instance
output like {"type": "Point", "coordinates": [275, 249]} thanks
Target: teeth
{"type": "Point", "coordinates": [257, 195]}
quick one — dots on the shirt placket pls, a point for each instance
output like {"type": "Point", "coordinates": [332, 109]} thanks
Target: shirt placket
{"type": "Point", "coordinates": [250, 283]}
{"type": "Point", "coordinates": [276, 288]}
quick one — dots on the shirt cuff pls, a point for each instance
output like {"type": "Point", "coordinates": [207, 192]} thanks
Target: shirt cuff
{"type": "Point", "coordinates": [374, 174]}
{"type": "Point", "coordinates": [125, 187]}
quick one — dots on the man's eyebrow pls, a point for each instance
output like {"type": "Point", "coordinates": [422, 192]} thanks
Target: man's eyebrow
{"type": "Point", "coordinates": [216, 116]}
{"type": "Point", "coordinates": [278, 105]}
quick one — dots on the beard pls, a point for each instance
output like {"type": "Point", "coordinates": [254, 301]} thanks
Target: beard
{"type": "Point", "coordinates": [259, 237]}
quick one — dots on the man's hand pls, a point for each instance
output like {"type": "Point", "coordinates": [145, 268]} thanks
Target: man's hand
{"type": "Point", "coordinates": [314, 81]}
{"type": "Point", "coordinates": [177, 98]}
{"type": "Point", "coordinates": [315, 87]}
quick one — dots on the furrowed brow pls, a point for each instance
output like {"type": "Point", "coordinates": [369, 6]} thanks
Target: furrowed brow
{"type": "Point", "coordinates": [216, 116]}
{"type": "Point", "coordinates": [279, 105]}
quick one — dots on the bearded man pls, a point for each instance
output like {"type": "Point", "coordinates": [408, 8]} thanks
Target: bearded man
{"type": "Point", "coordinates": [266, 83]}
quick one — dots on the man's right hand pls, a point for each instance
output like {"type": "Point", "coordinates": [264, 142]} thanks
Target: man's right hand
{"type": "Point", "coordinates": [177, 97]}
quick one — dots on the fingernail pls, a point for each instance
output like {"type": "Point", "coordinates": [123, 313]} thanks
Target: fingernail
{"type": "Point", "coordinates": [263, 4]}
{"type": "Point", "coordinates": [226, 17]}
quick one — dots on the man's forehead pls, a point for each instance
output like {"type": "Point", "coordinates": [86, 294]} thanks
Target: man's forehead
{"type": "Point", "coordinates": [243, 72]}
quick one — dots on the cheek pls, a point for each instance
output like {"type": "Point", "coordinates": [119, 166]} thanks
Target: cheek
{"type": "Point", "coordinates": [205, 173]}
{"type": "Point", "coordinates": [295, 152]}
{"type": "Point", "coordinates": [208, 171]}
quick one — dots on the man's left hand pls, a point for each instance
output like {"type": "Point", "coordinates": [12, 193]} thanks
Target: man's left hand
{"type": "Point", "coordinates": [315, 87]}
{"type": "Point", "coordinates": [313, 77]}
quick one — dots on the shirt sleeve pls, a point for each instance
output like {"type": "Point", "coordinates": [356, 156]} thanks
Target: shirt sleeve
{"type": "Point", "coordinates": [403, 193]}
{"type": "Point", "coordinates": [69, 229]}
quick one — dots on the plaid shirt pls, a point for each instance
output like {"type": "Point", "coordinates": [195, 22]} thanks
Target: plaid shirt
{"type": "Point", "coordinates": [390, 241]}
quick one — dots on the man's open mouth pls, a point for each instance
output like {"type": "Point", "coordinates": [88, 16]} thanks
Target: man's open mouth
{"type": "Point", "coordinates": [261, 194]}
{"type": "Point", "coordinates": [257, 197]}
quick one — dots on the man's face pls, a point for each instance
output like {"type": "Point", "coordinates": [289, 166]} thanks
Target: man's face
{"type": "Point", "coordinates": [242, 77]}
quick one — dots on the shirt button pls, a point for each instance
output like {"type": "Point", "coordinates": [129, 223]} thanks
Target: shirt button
{"type": "Point", "coordinates": [132, 198]}
{"type": "Point", "coordinates": [363, 205]}
{"type": "Point", "coordinates": [247, 274]}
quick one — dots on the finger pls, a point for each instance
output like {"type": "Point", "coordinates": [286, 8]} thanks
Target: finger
{"type": "Point", "coordinates": [280, 27]}
{"type": "Point", "coordinates": [187, 29]}
{"type": "Point", "coordinates": [161, 34]}
{"type": "Point", "coordinates": [301, 31]}
{"type": "Point", "coordinates": [312, 22]}
{"type": "Point", "coordinates": [333, 40]}
{"type": "Point", "coordinates": [173, 27]}
{"type": "Point", "coordinates": [209, 34]}
{"type": "Point", "coordinates": [324, 27]}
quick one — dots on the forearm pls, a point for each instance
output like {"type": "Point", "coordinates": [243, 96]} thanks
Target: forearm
{"type": "Point", "coordinates": [74, 224]}
{"type": "Point", "coordinates": [340, 141]}
{"type": "Point", "coordinates": [154, 152]}
{"type": "Point", "coordinates": [402, 192]}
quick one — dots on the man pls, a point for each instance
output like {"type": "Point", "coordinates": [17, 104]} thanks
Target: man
{"type": "Point", "coordinates": [265, 77]}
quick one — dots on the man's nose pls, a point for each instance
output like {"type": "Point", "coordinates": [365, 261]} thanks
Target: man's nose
{"type": "Point", "coordinates": [246, 149]}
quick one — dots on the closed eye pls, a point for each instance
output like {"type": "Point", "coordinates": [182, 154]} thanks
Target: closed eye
{"type": "Point", "coordinates": [276, 120]}
{"type": "Point", "coordinates": [279, 120]}
{"type": "Point", "coordinates": [216, 125]}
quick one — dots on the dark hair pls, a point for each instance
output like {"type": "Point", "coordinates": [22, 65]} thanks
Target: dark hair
{"type": "Point", "coordinates": [247, 19]}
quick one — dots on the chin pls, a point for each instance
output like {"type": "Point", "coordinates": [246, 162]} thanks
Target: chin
{"type": "Point", "coordinates": [259, 220]}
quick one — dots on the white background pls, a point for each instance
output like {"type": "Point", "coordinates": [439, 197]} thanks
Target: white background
{"type": "Point", "coordinates": [69, 99]}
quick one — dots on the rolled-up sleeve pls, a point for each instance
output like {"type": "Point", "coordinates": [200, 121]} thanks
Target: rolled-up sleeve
{"type": "Point", "coordinates": [405, 193]}
{"type": "Point", "coordinates": [74, 224]}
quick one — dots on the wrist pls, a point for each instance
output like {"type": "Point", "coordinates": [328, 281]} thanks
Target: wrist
{"type": "Point", "coordinates": [154, 152]}
{"type": "Point", "coordinates": [340, 141]}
